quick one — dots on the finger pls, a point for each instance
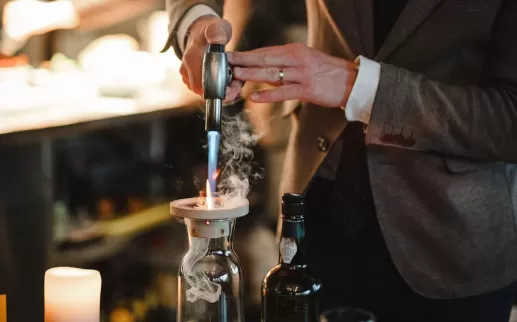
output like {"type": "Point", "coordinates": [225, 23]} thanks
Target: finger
{"type": "Point", "coordinates": [184, 75]}
{"type": "Point", "coordinates": [186, 81]}
{"type": "Point", "coordinates": [218, 32]}
{"type": "Point", "coordinates": [282, 93]}
{"type": "Point", "coordinates": [192, 67]}
{"type": "Point", "coordinates": [270, 74]}
{"type": "Point", "coordinates": [195, 84]}
{"type": "Point", "coordinates": [283, 56]}
{"type": "Point", "coordinates": [233, 91]}
{"type": "Point", "coordinates": [183, 69]}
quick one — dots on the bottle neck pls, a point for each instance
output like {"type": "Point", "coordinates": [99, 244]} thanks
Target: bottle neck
{"type": "Point", "coordinates": [292, 244]}
{"type": "Point", "coordinates": [212, 244]}
{"type": "Point", "coordinates": [216, 235]}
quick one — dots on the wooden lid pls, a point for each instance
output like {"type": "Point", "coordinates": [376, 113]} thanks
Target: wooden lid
{"type": "Point", "coordinates": [192, 208]}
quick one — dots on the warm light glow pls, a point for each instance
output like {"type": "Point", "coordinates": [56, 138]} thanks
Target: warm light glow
{"type": "Point", "coordinates": [71, 272]}
{"type": "Point", "coordinates": [3, 308]}
{"type": "Point", "coordinates": [156, 31]}
{"type": "Point", "coordinates": [216, 174]}
{"type": "Point", "coordinates": [21, 19]}
{"type": "Point", "coordinates": [209, 197]}
{"type": "Point", "coordinates": [72, 294]}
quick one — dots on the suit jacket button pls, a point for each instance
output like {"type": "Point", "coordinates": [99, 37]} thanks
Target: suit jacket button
{"type": "Point", "coordinates": [323, 144]}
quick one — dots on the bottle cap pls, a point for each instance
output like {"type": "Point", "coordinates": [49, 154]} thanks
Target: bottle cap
{"type": "Point", "coordinates": [292, 206]}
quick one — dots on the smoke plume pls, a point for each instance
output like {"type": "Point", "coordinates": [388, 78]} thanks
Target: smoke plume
{"type": "Point", "coordinates": [238, 169]}
{"type": "Point", "coordinates": [237, 172]}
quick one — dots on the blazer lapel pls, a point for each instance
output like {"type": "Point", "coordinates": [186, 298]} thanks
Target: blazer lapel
{"type": "Point", "coordinates": [364, 10]}
{"type": "Point", "coordinates": [345, 20]}
{"type": "Point", "coordinates": [413, 15]}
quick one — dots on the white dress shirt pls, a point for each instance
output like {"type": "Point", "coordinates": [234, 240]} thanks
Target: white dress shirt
{"type": "Point", "coordinates": [362, 96]}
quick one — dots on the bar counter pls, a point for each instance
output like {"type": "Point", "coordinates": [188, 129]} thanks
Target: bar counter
{"type": "Point", "coordinates": [32, 123]}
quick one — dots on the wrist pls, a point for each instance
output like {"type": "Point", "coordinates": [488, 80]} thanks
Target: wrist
{"type": "Point", "coordinates": [351, 71]}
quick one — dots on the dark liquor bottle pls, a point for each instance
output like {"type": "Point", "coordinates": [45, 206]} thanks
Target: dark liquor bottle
{"type": "Point", "coordinates": [289, 291]}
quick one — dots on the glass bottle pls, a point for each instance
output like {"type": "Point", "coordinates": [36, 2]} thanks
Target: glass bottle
{"type": "Point", "coordinates": [210, 284]}
{"type": "Point", "coordinates": [289, 291]}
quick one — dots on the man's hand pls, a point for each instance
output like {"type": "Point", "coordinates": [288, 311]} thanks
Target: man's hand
{"type": "Point", "coordinates": [204, 31]}
{"type": "Point", "coordinates": [308, 75]}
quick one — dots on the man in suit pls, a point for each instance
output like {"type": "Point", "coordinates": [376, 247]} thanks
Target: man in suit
{"type": "Point", "coordinates": [405, 145]}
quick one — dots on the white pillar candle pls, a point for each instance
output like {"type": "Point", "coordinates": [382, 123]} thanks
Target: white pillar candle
{"type": "Point", "coordinates": [72, 295]}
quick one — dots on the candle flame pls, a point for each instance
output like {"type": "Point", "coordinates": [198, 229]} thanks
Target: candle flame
{"type": "Point", "coordinates": [209, 198]}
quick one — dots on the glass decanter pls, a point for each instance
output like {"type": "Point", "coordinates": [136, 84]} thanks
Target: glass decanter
{"type": "Point", "coordinates": [210, 285]}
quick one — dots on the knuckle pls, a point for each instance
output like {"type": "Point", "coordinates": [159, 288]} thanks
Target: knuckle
{"type": "Point", "coordinates": [271, 73]}
{"type": "Point", "coordinates": [183, 70]}
{"type": "Point", "coordinates": [246, 72]}
{"type": "Point", "coordinates": [266, 57]}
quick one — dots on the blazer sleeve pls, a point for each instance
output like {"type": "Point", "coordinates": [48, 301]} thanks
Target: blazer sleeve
{"type": "Point", "coordinates": [412, 111]}
{"type": "Point", "coordinates": [176, 10]}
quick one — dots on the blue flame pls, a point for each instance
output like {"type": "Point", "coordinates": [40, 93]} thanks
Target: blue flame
{"type": "Point", "coordinates": [213, 151]}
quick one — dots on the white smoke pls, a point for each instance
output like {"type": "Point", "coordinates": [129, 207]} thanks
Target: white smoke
{"type": "Point", "coordinates": [200, 285]}
{"type": "Point", "coordinates": [236, 157]}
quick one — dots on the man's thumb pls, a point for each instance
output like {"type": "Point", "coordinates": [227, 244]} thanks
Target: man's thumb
{"type": "Point", "coordinates": [218, 32]}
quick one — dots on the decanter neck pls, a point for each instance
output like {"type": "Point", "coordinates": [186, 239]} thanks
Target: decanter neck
{"type": "Point", "coordinates": [221, 243]}
{"type": "Point", "coordinates": [217, 232]}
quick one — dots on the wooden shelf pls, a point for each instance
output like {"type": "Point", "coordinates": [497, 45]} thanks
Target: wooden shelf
{"type": "Point", "coordinates": [82, 256]}
{"type": "Point", "coordinates": [117, 233]}
{"type": "Point", "coordinates": [136, 223]}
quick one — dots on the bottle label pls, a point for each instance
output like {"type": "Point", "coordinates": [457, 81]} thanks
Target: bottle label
{"type": "Point", "coordinates": [288, 249]}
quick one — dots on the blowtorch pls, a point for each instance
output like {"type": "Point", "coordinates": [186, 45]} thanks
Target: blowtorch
{"type": "Point", "coordinates": [217, 75]}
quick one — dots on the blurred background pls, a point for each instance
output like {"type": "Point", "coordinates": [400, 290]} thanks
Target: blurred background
{"type": "Point", "coordinates": [98, 134]}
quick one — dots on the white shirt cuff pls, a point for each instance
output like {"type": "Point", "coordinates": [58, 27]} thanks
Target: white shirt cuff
{"type": "Point", "coordinates": [362, 96]}
{"type": "Point", "coordinates": [188, 19]}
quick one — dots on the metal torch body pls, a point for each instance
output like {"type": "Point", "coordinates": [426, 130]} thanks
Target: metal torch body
{"type": "Point", "coordinates": [217, 76]}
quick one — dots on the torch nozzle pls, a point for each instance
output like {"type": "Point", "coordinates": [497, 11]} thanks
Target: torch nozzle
{"type": "Point", "coordinates": [213, 115]}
